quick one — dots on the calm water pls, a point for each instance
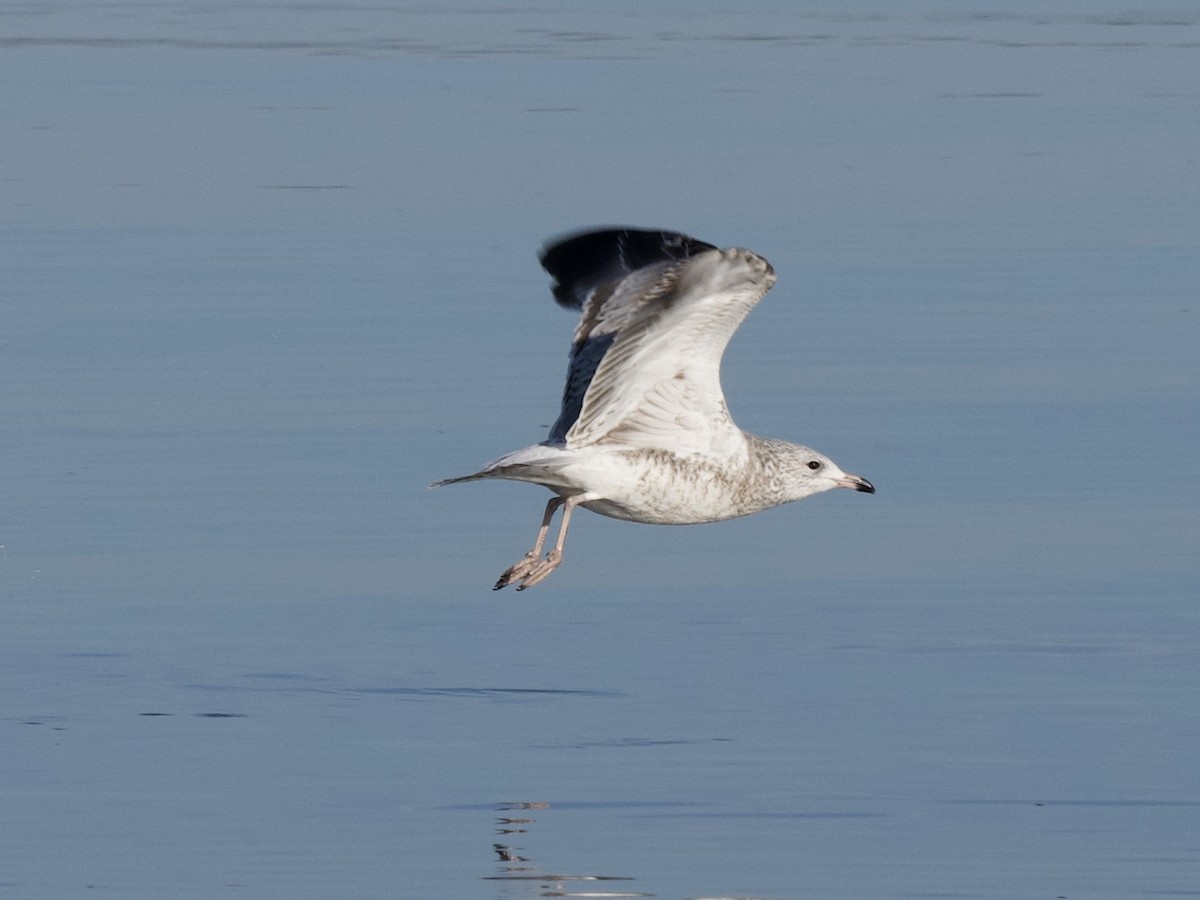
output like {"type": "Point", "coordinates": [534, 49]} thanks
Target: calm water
{"type": "Point", "coordinates": [267, 270]}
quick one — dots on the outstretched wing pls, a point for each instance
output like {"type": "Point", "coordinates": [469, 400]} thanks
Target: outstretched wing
{"type": "Point", "coordinates": [658, 309]}
{"type": "Point", "coordinates": [593, 264]}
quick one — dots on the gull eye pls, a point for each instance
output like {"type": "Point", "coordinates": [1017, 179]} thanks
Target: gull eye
{"type": "Point", "coordinates": [814, 465]}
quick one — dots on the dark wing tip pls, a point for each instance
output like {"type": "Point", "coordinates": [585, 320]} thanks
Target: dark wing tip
{"type": "Point", "coordinates": [580, 261]}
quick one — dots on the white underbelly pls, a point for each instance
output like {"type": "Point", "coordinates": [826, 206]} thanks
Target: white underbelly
{"type": "Point", "coordinates": [665, 489]}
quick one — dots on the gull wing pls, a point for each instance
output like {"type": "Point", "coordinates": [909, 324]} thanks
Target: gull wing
{"type": "Point", "coordinates": [591, 265]}
{"type": "Point", "coordinates": [658, 309]}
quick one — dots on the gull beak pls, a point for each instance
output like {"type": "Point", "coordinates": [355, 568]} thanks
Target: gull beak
{"type": "Point", "coordinates": [857, 483]}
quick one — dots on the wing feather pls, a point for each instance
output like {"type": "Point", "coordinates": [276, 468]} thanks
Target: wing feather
{"type": "Point", "coordinates": [581, 262]}
{"type": "Point", "coordinates": [645, 363]}
{"type": "Point", "coordinates": [588, 268]}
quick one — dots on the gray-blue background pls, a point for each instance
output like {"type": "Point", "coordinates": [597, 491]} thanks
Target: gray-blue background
{"type": "Point", "coordinates": [268, 269]}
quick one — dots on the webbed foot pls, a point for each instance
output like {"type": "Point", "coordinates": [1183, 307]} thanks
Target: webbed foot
{"type": "Point", "coordinates": [530, 570]}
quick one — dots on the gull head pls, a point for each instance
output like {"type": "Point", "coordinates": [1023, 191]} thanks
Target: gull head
{"type": "Point", "coordinates": [810, 472]}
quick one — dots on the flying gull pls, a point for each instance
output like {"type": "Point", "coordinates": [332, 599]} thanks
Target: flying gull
{"type": "Point", "coordinates": [644, 433]}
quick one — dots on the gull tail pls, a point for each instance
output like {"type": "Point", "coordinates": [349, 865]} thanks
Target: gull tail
{"type": "Point", "coordinates": [459, 479]}
{"type": "Point", "coordinates": [537, 464]}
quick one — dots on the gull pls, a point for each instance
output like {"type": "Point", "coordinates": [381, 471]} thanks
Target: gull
{"type": "Point", "coordinates": [643, 433]}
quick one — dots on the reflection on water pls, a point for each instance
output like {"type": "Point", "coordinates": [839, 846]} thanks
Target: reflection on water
{"type": "Point", "coordinates": [514, 866]}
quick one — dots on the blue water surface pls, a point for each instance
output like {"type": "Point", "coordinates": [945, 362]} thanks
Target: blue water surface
{"type": "Point", "coordinates": [269, 269]}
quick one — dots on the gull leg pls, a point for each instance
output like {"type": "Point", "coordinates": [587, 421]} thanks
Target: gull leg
{"type": "Point", "coordinates": [522, 566]}
{"type": "Point", "coordinates": [542, 568]}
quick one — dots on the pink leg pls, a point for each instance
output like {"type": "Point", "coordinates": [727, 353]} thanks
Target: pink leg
{"type": "Point", "coordinates": [554, 557]}
{"type": "Point", "coordinates": [531, 568]}
{"type": "Point", "coordinates": [522, 566]}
